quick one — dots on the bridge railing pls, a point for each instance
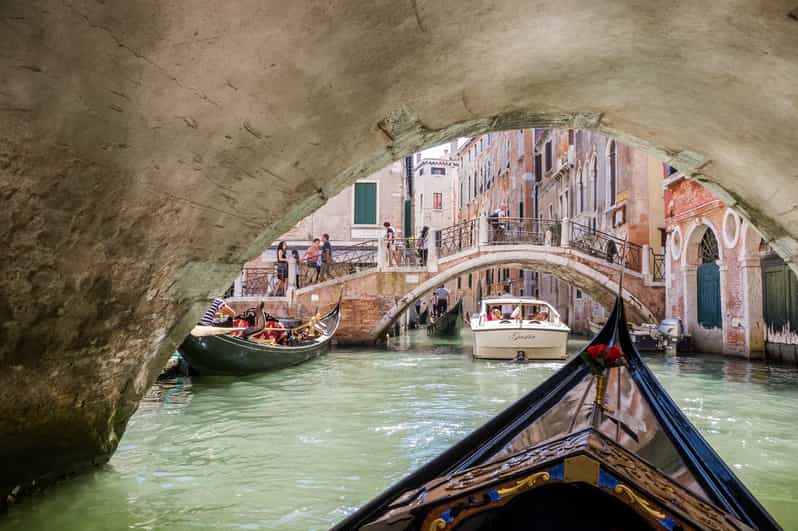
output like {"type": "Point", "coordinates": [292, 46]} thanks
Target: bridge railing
{"type": "Point", "coordinates": [657, 265]}
{"type": "Point", "coordinates": [345, 261]}
{"type": "Point", "coordinates": [258, 281]}
{"type": "Point", "coordinates": [457, 238]}
{"type": "Point", "coordinates": [607, 246]}
{"type": "Point", "coordinates": [404, 253]}
{"type": "Point", "coordinates": [533, 231]}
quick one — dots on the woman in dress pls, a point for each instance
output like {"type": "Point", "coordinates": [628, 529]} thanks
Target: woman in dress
{"type": "Point", "coordinates": [282, 269]}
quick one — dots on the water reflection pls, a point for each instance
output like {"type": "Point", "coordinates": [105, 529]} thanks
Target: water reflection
{"type": "Point", "coordinates": [301, 448]}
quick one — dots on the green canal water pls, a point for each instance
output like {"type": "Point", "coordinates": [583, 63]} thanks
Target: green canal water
{"type": "Point", "coordinates": [301, 448]}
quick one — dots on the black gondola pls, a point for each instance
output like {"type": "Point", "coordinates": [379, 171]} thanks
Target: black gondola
{"type": "Point", "coordinates": [448, 324]}
{"type": "Point", "coordinates": [587, 449]}
{"type": "Point", "coordinates": [230, 355]}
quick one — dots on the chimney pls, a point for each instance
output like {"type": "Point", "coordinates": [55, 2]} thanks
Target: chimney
{"type": "Point", "coordinates": [418, 158]}
{"type": "Point", "coordinates": [453, 149]}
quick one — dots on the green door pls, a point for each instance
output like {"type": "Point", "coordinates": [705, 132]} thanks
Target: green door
{"type": "Point", "coordinates": [709, 314]}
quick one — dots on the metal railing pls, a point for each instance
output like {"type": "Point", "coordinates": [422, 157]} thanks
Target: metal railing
{"type": "Point", "coordinates": [258, 281]}
{"type": "Point", "coordinates": [345, 261]}
{"type": "Point", "coordinates": [457, 238]}
{"type": "Point", "coordinates": [603, 245]}
{"type": "Point", "coordinates": [534, 231]}
{"type": "Point", "coordinates": [403, 253]}
{"type": "Point", "coordinates": [657, 265]}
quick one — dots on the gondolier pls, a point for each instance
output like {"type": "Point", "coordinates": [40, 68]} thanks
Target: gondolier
{"type": "Point", "coordinates": [218, 305]}
{"type": "Point", "coordinates": [443, 300]}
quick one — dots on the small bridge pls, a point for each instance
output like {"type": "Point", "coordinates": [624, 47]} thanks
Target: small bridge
{"type": "Point", "coordinates": [378, 284]}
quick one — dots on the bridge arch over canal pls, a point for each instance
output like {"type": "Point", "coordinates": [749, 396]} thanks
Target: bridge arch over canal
{"type": "Point", "coordinates": [375, 297]}
{"type": "Point", "coordinates": [564, 264]}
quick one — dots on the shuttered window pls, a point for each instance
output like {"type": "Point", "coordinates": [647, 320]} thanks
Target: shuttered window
{"type": "Point", "coordinates": [365, 203]}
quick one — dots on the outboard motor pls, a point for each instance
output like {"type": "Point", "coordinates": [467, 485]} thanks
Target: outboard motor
{"type": "Point", "coordinates": [672, 332]}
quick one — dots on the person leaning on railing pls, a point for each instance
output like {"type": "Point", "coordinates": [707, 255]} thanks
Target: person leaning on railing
{"type": "Point", "coordinates": [313, 258]}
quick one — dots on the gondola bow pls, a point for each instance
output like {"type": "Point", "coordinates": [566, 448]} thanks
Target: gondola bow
{"type": "Point", "coordinates": [587, 449]}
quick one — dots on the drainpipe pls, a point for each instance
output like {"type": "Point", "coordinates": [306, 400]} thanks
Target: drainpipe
{"type": "Point", "coordinates": [483, 231]}
{"type": "Point", "coordinates": [565, 233]}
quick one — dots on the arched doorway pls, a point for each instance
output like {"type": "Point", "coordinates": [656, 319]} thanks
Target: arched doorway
{"type": "Point", "coordinates": [708, 283]}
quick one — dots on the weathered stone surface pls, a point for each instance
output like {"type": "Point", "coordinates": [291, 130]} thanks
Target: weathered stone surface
{"type": "Point", "coordinates": [148, 148]}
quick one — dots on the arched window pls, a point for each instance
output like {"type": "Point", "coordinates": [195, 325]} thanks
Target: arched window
{"type": "Point", "coordinates": [708, 248]}
{"type": "Point", "coordinates": [612, 174]}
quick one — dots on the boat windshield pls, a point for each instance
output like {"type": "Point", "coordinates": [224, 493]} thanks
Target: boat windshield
{"type": "Point", "coordinates": [522, 311]}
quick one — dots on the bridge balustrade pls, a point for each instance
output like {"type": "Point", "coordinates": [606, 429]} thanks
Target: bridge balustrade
{"type": "Point", "coordinates": [457, 238]}
{"type": "Point", "coordinates": [257, 281]}
{"type": "Point", "coordinates": [530, 231]}
{"type": "Point", "coordinates": [607, 246]}
{"type": "Point", "coordinates": [657, 266]}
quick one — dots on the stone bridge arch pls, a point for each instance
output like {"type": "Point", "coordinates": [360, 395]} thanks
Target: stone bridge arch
{"type": "Point", "coordinates": [558, 262]}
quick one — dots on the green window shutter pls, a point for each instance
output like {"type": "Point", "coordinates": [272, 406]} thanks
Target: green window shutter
{"type": "Point", "coordinates": [365, 203]}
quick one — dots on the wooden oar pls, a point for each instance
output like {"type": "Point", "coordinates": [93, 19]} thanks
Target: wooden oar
{"type": "Point", "coordinates": [201, 330]}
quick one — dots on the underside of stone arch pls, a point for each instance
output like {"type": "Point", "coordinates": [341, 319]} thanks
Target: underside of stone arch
{"type": "Point", "coordinates": [148, 148]}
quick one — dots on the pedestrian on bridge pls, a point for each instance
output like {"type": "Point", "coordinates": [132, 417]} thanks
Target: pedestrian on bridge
{"type": "Point", "coordinates": [326, 256]}
{"type": "Point", "coordinates": [282, 269]}
{"type": "Point", "coordinates": [313, 257]}
{"type": "Point", "coordinates": [390, 243]}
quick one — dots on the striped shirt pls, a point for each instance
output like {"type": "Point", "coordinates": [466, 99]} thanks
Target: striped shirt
{"type": "Point", "coordinates": [210, 313]}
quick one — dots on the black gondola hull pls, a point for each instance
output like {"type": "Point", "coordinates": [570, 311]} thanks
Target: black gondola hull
{"type": "Point", "coordinates": [229, 355]}
{"type": "Point", "coordinates": [448, 324]}
{"type": "Point", "coordinates": [224, 355]}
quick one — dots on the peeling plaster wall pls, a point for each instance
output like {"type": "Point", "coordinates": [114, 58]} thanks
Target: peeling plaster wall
{"type": "Point", "coordinates": [149, 148]}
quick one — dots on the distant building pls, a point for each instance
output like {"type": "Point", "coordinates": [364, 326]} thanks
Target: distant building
{"type": "Point", "coordinates": [358, 212]}
{"type": "Point", "coordinates": [602, 185]}
{"type": "Point", "coordinates": [597, 183]}
{"type": "Point", "coordinates": [434, 194]}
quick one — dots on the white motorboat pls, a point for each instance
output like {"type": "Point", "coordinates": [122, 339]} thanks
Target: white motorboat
{"type": "Point", "coordinates": [511, 328]}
